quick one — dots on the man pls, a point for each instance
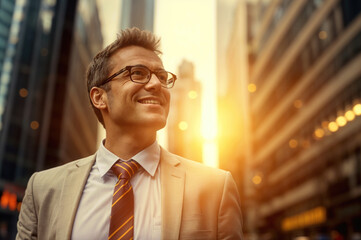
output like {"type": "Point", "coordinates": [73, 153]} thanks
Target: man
{"type": "Point", "coordinates": [159, 195]}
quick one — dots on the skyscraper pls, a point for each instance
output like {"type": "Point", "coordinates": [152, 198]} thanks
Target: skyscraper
{"type": "Point", "coordinates": [305, 84]}
{"type": "Point", "coordinates": [138, 13]}
{"type": "Point", "coordinates": [184, 131]}
{"type": "Point", "coordinates": [45, 115]}
{"type": "Point", "coordinates": [6, 13]}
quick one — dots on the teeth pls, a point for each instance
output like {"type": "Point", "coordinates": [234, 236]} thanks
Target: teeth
{"type": "Point", "coordinates": [148, 101]}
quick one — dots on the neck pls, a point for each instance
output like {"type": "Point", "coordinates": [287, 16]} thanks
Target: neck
{"type": "Point", "coordinates": [125, 144]}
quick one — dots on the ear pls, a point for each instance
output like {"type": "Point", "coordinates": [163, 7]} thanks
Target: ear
{"type": "Point", "coordinates": [98, 97]}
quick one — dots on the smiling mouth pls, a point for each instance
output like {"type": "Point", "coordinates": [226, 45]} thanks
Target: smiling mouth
{"type": "Point", "coordinates": [149, 101]}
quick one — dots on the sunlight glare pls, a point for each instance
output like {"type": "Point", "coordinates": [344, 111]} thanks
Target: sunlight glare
{"type": "Point", "coordinates": [195, 41]}
{"type": "Point", "coordinates": [210, 150]}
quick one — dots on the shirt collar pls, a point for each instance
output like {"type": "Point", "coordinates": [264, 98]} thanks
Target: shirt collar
{"type": "Point", "coordinates": [148, 158]}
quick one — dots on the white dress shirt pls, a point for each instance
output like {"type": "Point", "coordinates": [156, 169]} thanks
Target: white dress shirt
{"type": "Point", "coordinates": [93, 215]}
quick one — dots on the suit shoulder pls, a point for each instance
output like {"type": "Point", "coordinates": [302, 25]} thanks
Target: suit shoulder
{"type": "Point", "coordinates": [59, 171]}
{"type": "Point", "coordinates": [197, 167]}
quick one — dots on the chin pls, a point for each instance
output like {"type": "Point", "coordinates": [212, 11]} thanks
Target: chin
{"type": "Point", "coordinates": [157, 125]}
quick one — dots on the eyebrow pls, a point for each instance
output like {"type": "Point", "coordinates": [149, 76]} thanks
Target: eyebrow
{"type": "Point", "coordinates": [141, 65]}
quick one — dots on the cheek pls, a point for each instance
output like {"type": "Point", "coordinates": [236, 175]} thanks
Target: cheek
{"type": "Point", "coordinates": [125, 91]}
{"type": "Point", "coordinates": [167, 95]}
{"type": "Point", "coordinates": [115, 101]}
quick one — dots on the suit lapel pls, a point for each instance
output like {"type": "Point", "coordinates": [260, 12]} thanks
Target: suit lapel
{"type": "Point", "coordinates": [172, 183]}
{"type": "Point", "coordinates": [76, 177]}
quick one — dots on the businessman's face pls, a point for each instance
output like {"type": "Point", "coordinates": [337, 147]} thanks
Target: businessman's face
{"type": "Point", "coordinates": [136, 105]}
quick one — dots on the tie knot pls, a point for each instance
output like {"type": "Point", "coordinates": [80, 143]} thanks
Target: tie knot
{"type": "Point", "coordinates": [126, 169]}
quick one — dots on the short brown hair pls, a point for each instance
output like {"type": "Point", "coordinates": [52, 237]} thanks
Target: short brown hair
{"type": "Point", "coordinates": [99, 68]}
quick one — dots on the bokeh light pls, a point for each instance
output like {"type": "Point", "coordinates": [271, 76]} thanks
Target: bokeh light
{"type": "Point", "coordinates": [252, 87]}
{"type": "Point", "coordinates": [257, 179]}
{"type": "Point", "coordinates": [341, 121]}
{"type": "Point", "coordinates": [319, 133]}
{"type": "Point", "coordinates": [350, 115]}
{"type": "Point", "coordinates": [357, 109]}
{"type": "Point", "coordinates": [333, 127]}
{"type": "Point", "coordinates": [23, 92]}
{"type": "Point", "coordinates": [34, 125]}
{"type": "Point", "coordinates": [293, 143]}
{"type": "Point", "coordinates": [183, 125]}
{"type": "Point", "coordinates": [322, 35]}
{"type": "Point", "coordinates": [192, 94]}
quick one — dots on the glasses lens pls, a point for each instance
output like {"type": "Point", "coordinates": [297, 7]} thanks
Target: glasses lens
{"type": "Point", "coordinates": [139, 74]}
{"type": "Point", "coordinates": [165, 78]}
{"type": "Point", "coordinates": [170, 81]}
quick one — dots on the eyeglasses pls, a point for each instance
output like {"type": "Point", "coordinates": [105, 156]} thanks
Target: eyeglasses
{"type": "Point", "coordinates": [142, 74]}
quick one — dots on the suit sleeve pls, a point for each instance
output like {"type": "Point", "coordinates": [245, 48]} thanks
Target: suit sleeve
{"type": "Point", "coordinates": [28, 221]}
{"type": "Point", "coordinates": [230, 217]}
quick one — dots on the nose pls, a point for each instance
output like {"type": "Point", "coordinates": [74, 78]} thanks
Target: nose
{"type": "Point", "coordinates": [154, 83]}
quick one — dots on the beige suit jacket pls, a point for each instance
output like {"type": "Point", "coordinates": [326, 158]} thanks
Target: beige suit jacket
{"type": "Point", "coordinates": [198, 202]}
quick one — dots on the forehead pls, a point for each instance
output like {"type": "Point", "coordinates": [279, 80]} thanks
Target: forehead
{"type": "Point", "coordinates": [134, 55]}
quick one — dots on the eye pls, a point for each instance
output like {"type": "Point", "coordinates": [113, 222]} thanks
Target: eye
{"type": "Point", "coordinates": [139, 73]}
{"type": "Point", "coordinates": [162, 76]}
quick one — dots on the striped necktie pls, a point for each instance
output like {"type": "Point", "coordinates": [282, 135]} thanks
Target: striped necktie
{"type": "Point", "coordinates": [122, 215]}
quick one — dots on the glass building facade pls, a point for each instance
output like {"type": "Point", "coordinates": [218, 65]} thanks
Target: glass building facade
{"type": "Point", "coordinates": [42, 92]}
{"type": "Point", "coordinates": [303, 173]}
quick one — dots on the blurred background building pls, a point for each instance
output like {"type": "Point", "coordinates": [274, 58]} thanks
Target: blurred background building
{"type": "Point", "coordinates": [184, 135]}
{"type": "Point", "coordinates": [232, 94]}
{"type": "Point", "coordinates": [137, 13]}
{"type": "Point", "coordinates": [303, 173]}
{"type": "Point", "coordinates": [45, 116]}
